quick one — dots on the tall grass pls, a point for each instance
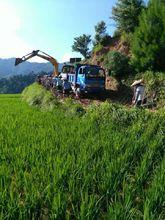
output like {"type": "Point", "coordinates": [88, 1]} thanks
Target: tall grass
{"type": "Point", "coordinates": [105, 164]}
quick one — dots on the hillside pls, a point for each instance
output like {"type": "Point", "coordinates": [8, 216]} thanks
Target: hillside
{"type": "Point", "coordinates": [7, 67]}
{"type": "Point", "coordinates": [104, 163]}
{"type": "Point", "coordinates": [113, 44]}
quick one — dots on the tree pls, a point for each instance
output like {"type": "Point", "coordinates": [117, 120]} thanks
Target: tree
{"type": "Point", "coordinates": [81, 45]}
{"type": "Point", "coordinates": [100, 32]}
{"type": "Point", "coordinates": [148, 45]}
{"type": "Point", "coordinates": [126, 14]}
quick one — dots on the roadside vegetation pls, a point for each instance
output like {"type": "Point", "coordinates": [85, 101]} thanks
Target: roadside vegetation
{"type": "Point", "coordinates": [154, 86]}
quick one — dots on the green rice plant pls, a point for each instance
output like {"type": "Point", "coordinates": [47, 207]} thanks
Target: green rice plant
{"type": "Point", "coordinates": [107, 163]}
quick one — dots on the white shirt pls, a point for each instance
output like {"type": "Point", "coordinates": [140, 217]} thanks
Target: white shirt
{"type": "Point", "coordinates": [139, 93]}
{"type": "Point", "coordinates": [63, 76]}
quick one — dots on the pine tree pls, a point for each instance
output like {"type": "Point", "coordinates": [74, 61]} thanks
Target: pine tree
{"type": "Point", "coordinates": [100, 32]}
{"type": "Point", "coordinates": [81, 45]}
{"type": "Point", "coordinates": [148, 45]}
{"type": "Point", "coordinates": [126, 14]}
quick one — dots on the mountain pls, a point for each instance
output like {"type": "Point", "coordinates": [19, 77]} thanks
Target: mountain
{"type": "Point", "coordinates": [7, 67]}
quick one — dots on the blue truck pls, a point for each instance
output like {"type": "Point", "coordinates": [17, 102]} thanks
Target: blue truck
{"type": "Point", "coordinates": [85, 78]}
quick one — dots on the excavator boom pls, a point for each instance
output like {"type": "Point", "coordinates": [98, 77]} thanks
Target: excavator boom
{"type": "Point", "coordinates": [42, 55]}
{"type": "Point", "coordinates": [26, 57]}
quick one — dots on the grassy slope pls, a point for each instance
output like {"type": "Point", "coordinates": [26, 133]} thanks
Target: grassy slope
{"type": "Point", "coordinates": [107, 164]}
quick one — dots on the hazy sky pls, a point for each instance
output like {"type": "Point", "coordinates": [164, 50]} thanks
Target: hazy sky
{"type": "Point", "coordinates": [49, 25]}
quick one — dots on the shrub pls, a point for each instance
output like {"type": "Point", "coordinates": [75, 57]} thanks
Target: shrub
{"type": "Point", "coordinates": [36, 95]}
{"type": "Point", "coordinates": [97, 48]}
{"type": "Point", "coordinates": [155, 83]}
{"type": "Point", "coordinates": [117, 64]}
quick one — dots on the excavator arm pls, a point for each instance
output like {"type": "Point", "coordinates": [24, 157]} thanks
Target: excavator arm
{"type": "Point", "coordinates": [42, 55]}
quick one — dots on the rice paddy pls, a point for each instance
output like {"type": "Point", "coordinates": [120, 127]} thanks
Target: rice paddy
{"type": "Point", "coordinates": [107, 163]}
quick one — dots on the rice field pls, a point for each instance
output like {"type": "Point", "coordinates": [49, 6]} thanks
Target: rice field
{"type": "Point", "coordinates": [107, 163]}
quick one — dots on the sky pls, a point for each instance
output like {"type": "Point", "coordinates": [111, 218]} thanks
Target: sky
{"type": "Point", "coordinates": [49, 25]}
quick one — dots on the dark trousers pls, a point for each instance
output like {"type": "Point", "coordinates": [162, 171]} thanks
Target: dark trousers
{"type": "Point", "coordinates": [140, 102]}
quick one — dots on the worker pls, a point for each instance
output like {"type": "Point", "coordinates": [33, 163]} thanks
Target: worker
{"type": "Point", "coordinates": [77, 91]}
{"type": "Point", "coordinates": [139, 91]}
{"type": "Point", "coordinates": [59, 83]}
{"type": "Point", "coordinates": [66, 86]}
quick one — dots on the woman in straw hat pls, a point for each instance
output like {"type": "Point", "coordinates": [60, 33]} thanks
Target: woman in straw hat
{"type": "Point", "coordinates": [139, 91]}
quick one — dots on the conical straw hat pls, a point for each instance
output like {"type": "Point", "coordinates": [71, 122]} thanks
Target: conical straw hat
{"type": "Point", "coordinates": [136, 82]}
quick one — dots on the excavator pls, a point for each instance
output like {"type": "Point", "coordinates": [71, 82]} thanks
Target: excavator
{"type": "Point", "coordinates": [42, 55]}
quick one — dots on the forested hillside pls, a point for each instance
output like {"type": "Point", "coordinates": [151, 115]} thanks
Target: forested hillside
{"type": "Point", "coordinates": [16, 83]}
{"type": "Point", "coordinates": [138, 42]}
{"type": "Point", "coordinates": [8, 68]}
{"type": "Point", "coordinates": [136, 50]}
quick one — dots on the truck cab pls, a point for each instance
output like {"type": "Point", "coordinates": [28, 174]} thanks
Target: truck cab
{"type": "Point", "coordinates": [88, 78]}
{"type": "Point", "coordinates": [66, 69]}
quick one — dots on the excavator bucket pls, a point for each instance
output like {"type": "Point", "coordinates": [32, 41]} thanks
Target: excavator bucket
{"type": "Point", "coordinates": [18, 61]}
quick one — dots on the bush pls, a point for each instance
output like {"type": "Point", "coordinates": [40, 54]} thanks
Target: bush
{"type": "Point", "coordinates": [155, 83]}
{"type": "Point", "coordinates": [117, 64]}
{"type": "Point", "coordinates": [97, 48]}
{"type": "Point", "coordinates": [36, 95]}
{"type": "Point", "coordinates": [101, 58]}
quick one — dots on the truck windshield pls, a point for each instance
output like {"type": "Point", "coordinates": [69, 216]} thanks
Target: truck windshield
{"type": "Point", "coordinates": [92, 72]}
{"type": "Point", "coordinates": [68, 69]}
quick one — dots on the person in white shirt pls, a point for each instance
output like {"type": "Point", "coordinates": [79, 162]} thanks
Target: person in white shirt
{"type": "Point", "coordinates": [139, 93]}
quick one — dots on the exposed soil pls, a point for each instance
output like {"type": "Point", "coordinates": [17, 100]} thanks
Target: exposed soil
{"type": "Point", "coordinates": [115, 44]}
{"type": "Point", "coordinates": [122, 95]}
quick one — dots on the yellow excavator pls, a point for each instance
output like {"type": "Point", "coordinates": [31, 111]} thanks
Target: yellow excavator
{"type": "Point", "coordinates": [42, 55]}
